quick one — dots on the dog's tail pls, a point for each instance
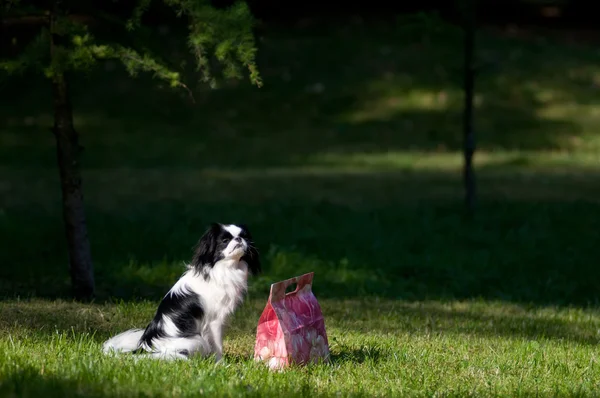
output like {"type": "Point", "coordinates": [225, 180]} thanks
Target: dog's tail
{"type": "Point", "coordinates": [124, 342]}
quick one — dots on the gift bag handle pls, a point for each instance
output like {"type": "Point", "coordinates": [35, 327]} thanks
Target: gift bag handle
{"type": "Point", "coordinates": [278, 289]}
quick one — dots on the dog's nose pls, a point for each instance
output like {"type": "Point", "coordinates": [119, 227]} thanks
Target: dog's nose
{"type": "Point", "coordinates": [238, 239]}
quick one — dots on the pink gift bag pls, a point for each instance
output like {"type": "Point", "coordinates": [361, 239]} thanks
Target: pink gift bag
{"type": "Point", "coordinates": [291, 328]}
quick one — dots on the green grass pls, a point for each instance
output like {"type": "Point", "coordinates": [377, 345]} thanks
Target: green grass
{"type": "Point", "coordinates": [347, 163]}
{"type": "Point", "coordinates": [379, 348]}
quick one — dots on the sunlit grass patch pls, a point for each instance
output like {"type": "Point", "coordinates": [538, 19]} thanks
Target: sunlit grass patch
{"type": "Point", "coordinates": [379, 348]}
{"type": "Point", "coordinates": [504, 161]}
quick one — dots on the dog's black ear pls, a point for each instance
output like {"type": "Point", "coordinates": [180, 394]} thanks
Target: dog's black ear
{"type": "Point", "coordinates": [206, 247]}
{"type": "Point", "coordinates": [252, 258]}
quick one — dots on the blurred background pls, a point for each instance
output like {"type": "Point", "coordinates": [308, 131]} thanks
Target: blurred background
{"type": "Point", "coordinates": [347, 161]}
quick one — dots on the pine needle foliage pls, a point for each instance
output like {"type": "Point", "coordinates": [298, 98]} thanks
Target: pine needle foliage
{"type": "Point", "coordinates": [221, 41]}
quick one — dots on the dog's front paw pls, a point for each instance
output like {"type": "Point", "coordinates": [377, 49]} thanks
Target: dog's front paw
{"type": "Point", "coordinates": [220, 360]}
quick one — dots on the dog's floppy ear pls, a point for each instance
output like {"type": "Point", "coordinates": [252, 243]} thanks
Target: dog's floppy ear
{"type": "Point", "coordinates": [252, 258]}
{"type": "Point", "coordinates": [206, 247]}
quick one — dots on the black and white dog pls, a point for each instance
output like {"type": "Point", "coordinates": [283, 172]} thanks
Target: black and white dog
{"type": "Point", "coordinates": [190, 318]}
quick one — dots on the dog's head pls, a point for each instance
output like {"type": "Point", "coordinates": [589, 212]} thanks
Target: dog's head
{"type": "Point", "coordinates": [226, 242]}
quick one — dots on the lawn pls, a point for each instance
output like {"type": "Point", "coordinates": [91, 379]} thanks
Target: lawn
{"type": "Point", "coordinates": [346, 163]}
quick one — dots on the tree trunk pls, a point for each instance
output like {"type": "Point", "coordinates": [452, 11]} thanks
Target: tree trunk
{"type": "Point", "coordinates": [68, 150]}
{"type": "Point", "coordinates": [469, 135]}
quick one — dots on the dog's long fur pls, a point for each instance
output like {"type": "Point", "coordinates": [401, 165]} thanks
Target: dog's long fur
{"type": "Point", "coordinates": [190, 318]}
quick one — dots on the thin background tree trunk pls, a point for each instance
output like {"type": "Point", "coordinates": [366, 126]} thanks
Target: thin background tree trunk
{"type": "Point", "coordinates": [469, 76]}
{"type": "Point", "coordinates": [68, 151]}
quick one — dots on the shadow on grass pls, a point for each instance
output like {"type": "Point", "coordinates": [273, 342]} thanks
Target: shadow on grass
{"type": "Point", "coordinates": [521, 324]}
{"type": "Point", "coordinates": [358, 355]}
{"type": "Point", "coordinates": [375, 88]}
{"type": "Point", "coordinates": [49, 317]}
{"type": "Point", "coordinates": [391, 235]}
{"type": "Point", "coordinates": [354, 355]}
{"type": "Point", "coordinates": [470, 318]}
{"type": "Point", "coordinates": [29, 382]}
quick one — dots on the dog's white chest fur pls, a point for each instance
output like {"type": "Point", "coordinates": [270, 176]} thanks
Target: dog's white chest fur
{"type": "Point", "coordinates": [221, 292]}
